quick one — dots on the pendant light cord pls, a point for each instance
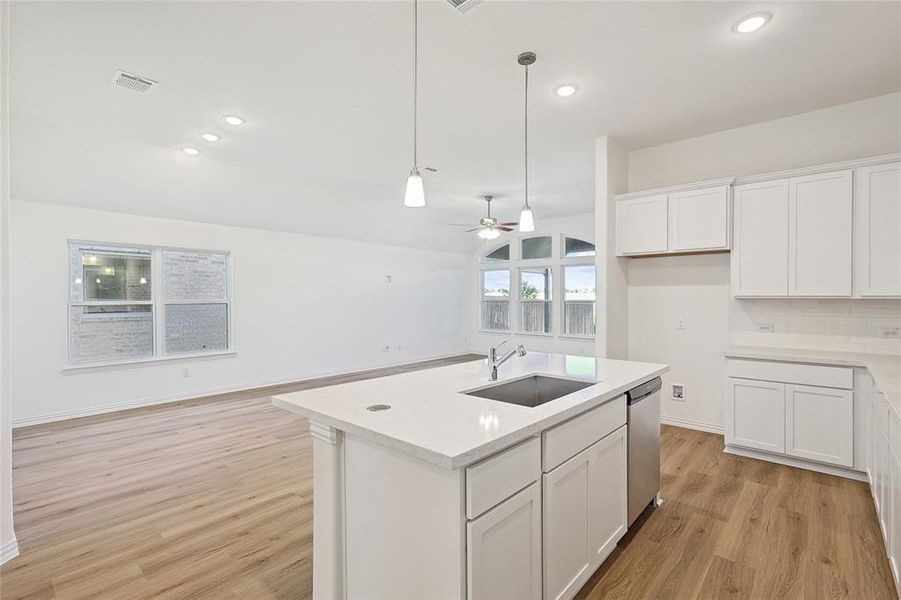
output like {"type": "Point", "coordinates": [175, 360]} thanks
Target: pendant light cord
{"type": "Point", "coordinates": [415, 77]}
{"type": "Point", "coordinates": [526, 136]}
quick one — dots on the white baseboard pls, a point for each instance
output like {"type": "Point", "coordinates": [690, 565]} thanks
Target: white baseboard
{"type": "Point", "coordinates": [165, 399]}
{"type": "Point", "coordinates": [796, 462]}
{"type": "Point", "coordinates": [692, 424]}
{"type": "Point", "coordinates": [9, 551]}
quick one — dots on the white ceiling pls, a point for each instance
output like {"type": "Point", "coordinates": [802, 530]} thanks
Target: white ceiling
{"type": "Point", "coordinates": [325, 87]}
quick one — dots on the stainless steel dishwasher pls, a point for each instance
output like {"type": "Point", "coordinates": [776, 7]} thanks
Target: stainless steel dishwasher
{"type": "Point", "coordinates": [644, 446]}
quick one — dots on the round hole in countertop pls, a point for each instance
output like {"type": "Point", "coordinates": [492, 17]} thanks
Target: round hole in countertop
{"type": "Point", "coordinates": [378, 407]}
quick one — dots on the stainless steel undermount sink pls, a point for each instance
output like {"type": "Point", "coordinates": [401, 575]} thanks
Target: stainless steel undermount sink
{"type": "Point", "coordinates": [531, 391]}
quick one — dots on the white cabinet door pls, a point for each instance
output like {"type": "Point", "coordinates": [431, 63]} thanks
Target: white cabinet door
{"type": "Point", "coordinates": [893, 526]}
{"type": "Point", "coordinates": [641, 225]}
{"type": "Point", "coordinates": [759, 261]}
{"type": "Point", "coordinates": [755, 414]}
{"type": "Point", "coordinates": [883, 482]}
{"type": "Point", "coordinates": [819, 424]}
{"type": "Point", "coordinates": [504, 557]}
{"type": "Point", "coordinates": [819, 234]}
{"type": "Point", "coordinates": [877, 230]}
{"type": "Point", "coordinates": [699, 220]}
{"type": "Point", "coordinates": [584, 514]}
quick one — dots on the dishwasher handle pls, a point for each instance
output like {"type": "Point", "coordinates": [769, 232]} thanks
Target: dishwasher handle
{"type": "Point", "coordinates": [644, 390]}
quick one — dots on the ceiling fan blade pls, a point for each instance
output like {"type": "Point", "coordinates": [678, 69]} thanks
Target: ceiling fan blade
{"type": "Point", "coordinates": [471, 230]}
{"type": "Point", "coordinates": [502, 228]}
{"type": "Point", "coordinates": [459, 224]}
{"type": "Point", "coordinates": [511, 224]}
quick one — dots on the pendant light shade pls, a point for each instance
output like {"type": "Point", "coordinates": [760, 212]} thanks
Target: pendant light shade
{"type": "Point", "coordinates": [526, 220]}
{"type": "Point", "coordinates": [414, 195]}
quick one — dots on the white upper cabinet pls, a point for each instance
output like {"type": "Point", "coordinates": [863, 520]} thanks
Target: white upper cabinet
{"type": "Point", "coordinates": [877, 230]}
{"type": "Point", "coordinates": [699, 220]}
{"type": "Point", "coordinates": [759, 261]}
{"type": "Point", "coordinates": [819, 235]}
{"type": "Point", "coordinates": [685, 220]}
{"type": "Point", "coordinates": [792, 237]}
{"type": "Point", "coordinates": [641, 225]}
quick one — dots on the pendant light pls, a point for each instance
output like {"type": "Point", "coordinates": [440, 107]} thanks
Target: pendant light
{"type": "Point", "coordinates": [526, 220]}
{"type": "Point", "coordinates": [414, 196]}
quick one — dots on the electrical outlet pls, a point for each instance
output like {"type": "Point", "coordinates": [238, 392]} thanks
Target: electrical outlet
{"type": "Point", "coordinates": [387, 278]}
{"type": "Point", "coordinates": [186, 372]}
{"type": "Point", "coordinates": [678, 392]}
{"type": "Point", "coordinates": [386, 348]}
{"type": "Point", "coordinates": [766, 327]}
{"type": "Point", "coordinates": [683, 323]}
{"type": "Point", "coordinates": [890, 332]}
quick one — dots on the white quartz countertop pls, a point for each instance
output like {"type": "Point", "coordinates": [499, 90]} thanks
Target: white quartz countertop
{"type": "Point", "coordinates": [885, 368]}
{"type": "Point", "coordinates": [431, 419]}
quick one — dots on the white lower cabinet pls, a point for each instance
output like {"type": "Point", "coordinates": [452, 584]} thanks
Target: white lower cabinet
{"type": "Point", "coordinates": [584, 514]}
{"type": "Point", "coordinates": [818, 424]}
{"type": "Point", "coordinates": [771, 407]}
{"type": "Point", "coordinates": [755, 414]}
{"type": "Point", "coordinates": [504, 558]}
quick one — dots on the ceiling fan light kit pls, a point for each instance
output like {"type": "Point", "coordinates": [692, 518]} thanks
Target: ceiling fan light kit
{"type": "Point", "coordinates": [414, 195]}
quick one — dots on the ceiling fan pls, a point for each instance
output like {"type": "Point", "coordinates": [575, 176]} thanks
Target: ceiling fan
{"type": "Point", "coordinates": [489, 228]}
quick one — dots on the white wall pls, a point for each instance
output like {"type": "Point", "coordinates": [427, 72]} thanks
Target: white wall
{"type": "Point", "coordinates": [580, 226]}
{"type": "Point", "coordinates": [865, 128]}
{"type": "Point", "coordinates": [8, 546]}
{"type": "Point", "coordinates": [303, 307]}
{"type": "Point", "coordinates": [662, 290]}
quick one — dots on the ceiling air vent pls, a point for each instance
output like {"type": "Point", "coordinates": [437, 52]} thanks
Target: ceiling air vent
{"type": "Point", "coordinates": [463, 5]}
{"type": "Point", "coordinates": [135, 83]}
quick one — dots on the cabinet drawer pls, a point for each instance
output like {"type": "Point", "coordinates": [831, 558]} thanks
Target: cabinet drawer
{"type": "Point", "coordinates": [500, 476]}
{"type": "Point", "coordinates": [786, 372]}
{"type": "Point", "coordinates": [573, 436]}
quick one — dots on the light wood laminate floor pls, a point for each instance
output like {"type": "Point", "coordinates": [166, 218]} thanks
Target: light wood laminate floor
{"type": "Point", "coordinates": [213, 499]}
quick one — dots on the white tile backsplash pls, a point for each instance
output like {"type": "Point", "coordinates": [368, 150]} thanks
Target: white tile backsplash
{"type": "Point", "coordinates": [817, 323]}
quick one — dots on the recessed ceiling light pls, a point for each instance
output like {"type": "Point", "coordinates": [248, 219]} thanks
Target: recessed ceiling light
{"type": "Point", "coordinates": [210, 137]}
{"type": "Point", "coordinates": [566, 90]}
{"type": "Point", "coordinates": [751, 23]}
{"type": "Point", "coordinates": [233, 119]}
{"type": "Point", "coordinates": [191, 151]}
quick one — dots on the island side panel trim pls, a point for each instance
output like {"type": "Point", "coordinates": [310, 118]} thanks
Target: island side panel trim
{"type": "Point", "coordinates": [328, 513]}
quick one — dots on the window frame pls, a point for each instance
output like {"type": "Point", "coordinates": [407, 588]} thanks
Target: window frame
{"type": "Point", "coordinates": [577, 261]}
{"type": "Point", "coordinates": [549, 267]}
{"type": "Point", "coordinates": [496, 266]}
{"type": "Point", "coordinates": [556, 263]}
{"type": "Point", "coordinates": [157, 303]}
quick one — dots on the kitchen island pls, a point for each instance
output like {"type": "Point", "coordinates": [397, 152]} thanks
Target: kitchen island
{"type": "Point", "coordinates": [423, 488]}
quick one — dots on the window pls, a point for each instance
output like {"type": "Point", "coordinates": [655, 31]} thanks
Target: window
{"type": "Point", "coordinates": [496, 300]}
{"type": "Point", "coordinates": [535, 299]}
{"type": "Point", "coordinates": [111, 315]}
{"type": "Point", "coordinates": [574, 247]}
{"type": "Point", "coordinates": [579, 294]}
{"type": "Point", "coordinates": [120, 310]}
{"type": "Point", "coordinates": [501, 254]}
{"type": "Point", "coordinates": [553, 283]}
{"type": "Point", "coordinates": [536, 247]}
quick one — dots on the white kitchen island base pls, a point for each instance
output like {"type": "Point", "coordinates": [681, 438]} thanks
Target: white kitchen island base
{"type": "Point", "coordinates": [522, 503]}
